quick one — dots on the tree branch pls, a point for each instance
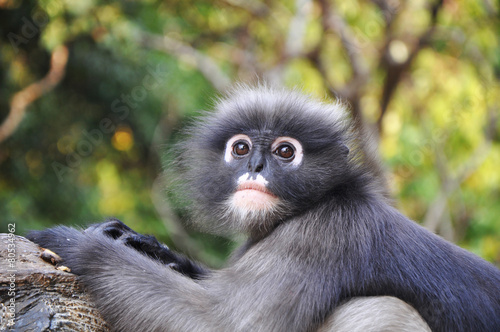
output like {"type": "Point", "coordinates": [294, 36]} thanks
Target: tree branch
{"type": "Point", "coordinates": [396, 70]}
{"type": "Point", "coordinates": [207, 67]}
{"type": "Point", "coordinates": [333, 22]}
{"type": "Point", "coordinates": [450, 183]}
{"type": "Point", "coordinates": [22, 99]}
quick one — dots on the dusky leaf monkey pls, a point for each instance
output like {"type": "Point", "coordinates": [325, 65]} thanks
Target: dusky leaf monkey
{"type": "Point", "coordinates": [325, 251]}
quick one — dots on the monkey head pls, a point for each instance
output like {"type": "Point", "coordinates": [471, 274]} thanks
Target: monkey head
{"type": "Point", "coordinates": [262, 156]}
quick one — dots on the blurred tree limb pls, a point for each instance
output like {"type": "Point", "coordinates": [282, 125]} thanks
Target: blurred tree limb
{"type": "Point", "coordinates": [206, 65]}
{"type": "Point", "coordinates": [395, 69]}
{"type": "Point", "coordinates": [22, 99]}
{"type": "Point", "coordinates": [361, 73]}
{"type": "Point", "coordinates": [436, 216]}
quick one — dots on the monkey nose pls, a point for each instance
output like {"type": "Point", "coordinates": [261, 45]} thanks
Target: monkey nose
{"type": "Point", "coordinates": [255, 167]}
{"type": "Point", "coordinates": [256, 163]}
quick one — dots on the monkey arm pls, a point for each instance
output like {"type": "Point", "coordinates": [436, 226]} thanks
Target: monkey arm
{"type": "Point", "coordinates": [137, 293]}
{"type": "Point", "coordinates": [132, 291]}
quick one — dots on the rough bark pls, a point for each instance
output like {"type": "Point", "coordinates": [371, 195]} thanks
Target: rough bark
{"type": "Point", "coordinates": [43, 297]}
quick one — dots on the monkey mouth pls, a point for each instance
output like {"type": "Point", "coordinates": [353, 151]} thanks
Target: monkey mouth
{"type": "Point", "coordinates": [252, 196]}
{"type": "Point", "coordinates": [252, 185]}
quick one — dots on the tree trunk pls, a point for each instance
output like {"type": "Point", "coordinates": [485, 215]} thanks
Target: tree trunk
{"type": "Point", "coordinates": [37, 296]}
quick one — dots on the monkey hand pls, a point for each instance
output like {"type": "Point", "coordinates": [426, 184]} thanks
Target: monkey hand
{"type": "Point", "coordinates": [149, 246]}
{"type": "Point", "coordinates": [145, 244]}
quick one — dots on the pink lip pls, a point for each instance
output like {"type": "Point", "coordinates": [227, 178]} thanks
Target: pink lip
{"type": "Point", "coordinates": [251, 185]}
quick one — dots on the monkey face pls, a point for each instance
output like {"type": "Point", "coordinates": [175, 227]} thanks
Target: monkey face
{"type": "Point", "coordinates": [252, 163]}
{"type": "Point", "coordinates": [260, 159]}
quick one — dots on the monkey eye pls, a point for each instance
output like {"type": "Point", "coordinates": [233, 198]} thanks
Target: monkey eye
{"type": "Point", "coordinates": [237, 147]}
{"type": "Point", "coordinates": [240, 148]}
{"type": "Point", "coordinates": [285, 151]}
{"type": "Point", "coordinates": [288, 150]}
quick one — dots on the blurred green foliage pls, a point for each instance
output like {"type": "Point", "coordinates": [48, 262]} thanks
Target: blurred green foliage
{"type": "Point", "coordinates": [94, 146]}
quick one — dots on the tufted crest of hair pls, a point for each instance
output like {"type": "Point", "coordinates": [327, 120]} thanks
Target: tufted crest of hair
{"type": "Point", "coordinates": [333, 156]}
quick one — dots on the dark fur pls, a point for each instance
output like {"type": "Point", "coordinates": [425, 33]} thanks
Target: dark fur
{"type": "Point", "coordinates": [338, 238]}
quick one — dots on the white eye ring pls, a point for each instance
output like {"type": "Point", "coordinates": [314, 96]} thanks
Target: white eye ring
{"type": "Point", "coordinates": [228, 152]}
{"type": "Point", "coordinates": [298, 151]}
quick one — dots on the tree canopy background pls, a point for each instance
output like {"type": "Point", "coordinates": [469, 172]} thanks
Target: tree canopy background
{"type": "Point", "coordinates": [93, 92]}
